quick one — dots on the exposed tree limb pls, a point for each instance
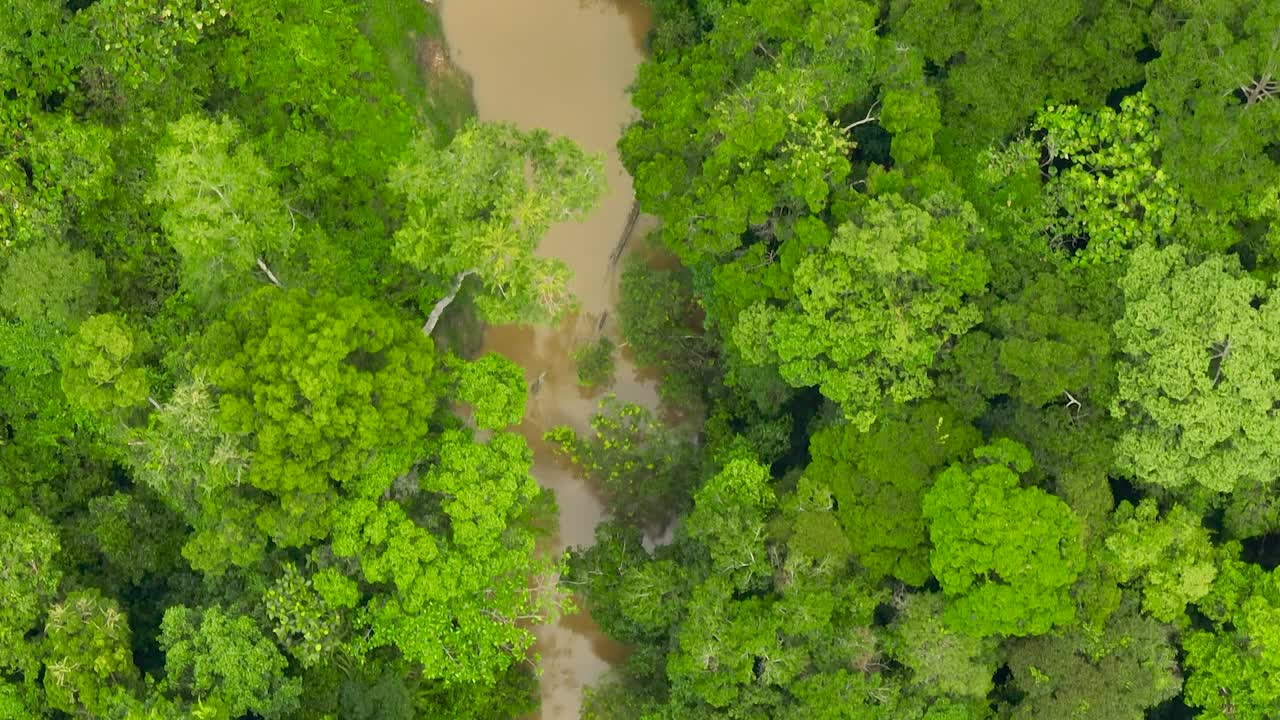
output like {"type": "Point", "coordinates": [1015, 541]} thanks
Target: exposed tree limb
{"type": "Point", "coordinates": [445, 301]}
{"type": "Point", "coordinates": [1222, 352]}
{"type": "Point", "coordinates": [1072, 402]}
{"type": "Point", "coordinates": [1259, 89]}
{"type": "Point", "coordinates": [270, 275]}
{"type": "Point", "coordinates": [868, 118]}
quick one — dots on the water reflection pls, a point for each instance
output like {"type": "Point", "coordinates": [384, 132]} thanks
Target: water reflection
{"type": "Point", "coordinates": [636, 11]}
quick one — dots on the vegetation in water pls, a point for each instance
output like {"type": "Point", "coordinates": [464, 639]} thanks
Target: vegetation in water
{"type": "Point", "coordinates": [595, 362]}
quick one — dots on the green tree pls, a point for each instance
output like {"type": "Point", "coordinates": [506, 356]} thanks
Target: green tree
{"type": "Point", "coordinates": [29, 578]}
{"type": "Point", "coordinates": [942, 660]}
{"type": "Point", "coordinates": [595, 362]}
{"type": "Point", "coordinates": [88, 658]}
{"type": "Point", "coordinates": [479, 206]}
{"type": "Point", "coordinates": [1004, 59]}
{"type": "Point", "coordinates": [1233, 665]}
{"type": "Point", "coordinates": [744, 130]}
{"type": "Point", "coordinates": [13, 706]}
{"type": "Point", "coordinates": [729, 516]}
{"type": "Point", "coordinates": [101, 370]}
{"type": "Point", "coordinates": [49, 283]}
{"type": "Point", "coordinates": [1112, 196]}
{"type": "Point", "coordinates": [879, 478]}
{"type": "Point", "coordinates": [135, 534]}
{"type": "Point", "coordinates": [224, 661]}
{"type": "Point", "coordinates": [54, 171]}
{"type": "Point", "coordinates": [44, 437]}
{"type": "Point", "coordinates": [305, 79]}
{"type": "Point", "coordinates": [142, 44]}
{"type": "Point", "coordinates": [1195, 383]}
{"type": "Point", "coordinates": [307, 613]}
{"type": "Point", "coordinates": [1054, 340]}
{"type": "Point", "coordinates": [1005, 555]}
{"type": "Point", "coordinates": [871, 311]}
{"type": "Point", "coordinates": [645, 469]}
{"type": "Point", "coordinates": [1118, 674]}
{"type": "Point", "coordinates": [1214, 86]}
{"type": "Point", "coordinates": [39, 52]}
{"type": "Point", "coordinates": [1171, 556]}
{"type": "Point", "coordinates": [658, 316]}
{"type": "Point", "coordinates": [221, 210]}
{"type": "Point", "coordinates": [633, 596]}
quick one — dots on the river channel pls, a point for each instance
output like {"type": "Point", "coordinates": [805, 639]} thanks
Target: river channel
{"type": "Point", "coordinates": [563, 65]}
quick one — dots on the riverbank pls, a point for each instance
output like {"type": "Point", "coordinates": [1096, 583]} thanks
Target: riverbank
{"type": "Point", "coordinates": [410, 37]}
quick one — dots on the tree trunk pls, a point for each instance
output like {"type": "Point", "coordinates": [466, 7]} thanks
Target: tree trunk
{"type": "Point", "coordinates": [445, 301]}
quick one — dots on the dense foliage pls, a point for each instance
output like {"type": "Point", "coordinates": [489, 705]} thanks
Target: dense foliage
{"type": "Point", "coordinates": [976, 305]}
{"type": "Point", "coordinates": [967, 323]}
{"type": "Point", "coordinates": [232, 480]}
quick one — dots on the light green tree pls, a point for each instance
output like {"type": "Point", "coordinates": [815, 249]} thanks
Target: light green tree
{"type": "Point", "coordinates": [330, 393]}
{"type": "Point", "coordinates": [479, 206]}
{"type": "Point", "coordinates": [220, 208]}
{"type": "Point", "coordinates": [1170, 557]}
{"type": "Point", "coordinates": [1005, 555]}
{"type": "Point", "coordinates": [101, 365]}
{"type": "Point", "coordinates": [871, 311]}
{"type": "Point", "coordinates": [460, 589]}
{"type": "Point", "coordinates": [1196, 388]}
{"type": "Point", "coordinates": [88, 657]}
{"type": "Point", "coordinates": [183, 455]}
{"type": "Point", "coordinates": [224, 662]}
{"type": "Point", "coordinates": [494, 387]}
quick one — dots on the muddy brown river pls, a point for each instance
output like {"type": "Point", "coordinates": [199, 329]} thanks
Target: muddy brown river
{"type": "Point", "coordinates": [563, 65]}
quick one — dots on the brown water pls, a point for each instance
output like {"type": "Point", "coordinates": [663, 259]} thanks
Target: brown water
{"type": "Point", "coordinates": [563, 65]}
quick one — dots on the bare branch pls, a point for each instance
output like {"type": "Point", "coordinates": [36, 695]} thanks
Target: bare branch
{"type": "Point", "coordinates": [444, 302]}
{"type": "Point", "coordinates": [270, 275]}
{"type": "Point", "coordinates": [1259, 89]}
{"type": "Point", "coordinates": [1220, 356]}
{"type": "Point", "coordinates": [868, 118]}
{"type": "Point", "coordinates": [1072, 401]}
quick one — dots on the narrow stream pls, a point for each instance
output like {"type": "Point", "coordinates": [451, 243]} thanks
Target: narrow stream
{"type": "Point", "coordinates": [563, 65]}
